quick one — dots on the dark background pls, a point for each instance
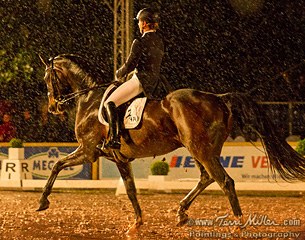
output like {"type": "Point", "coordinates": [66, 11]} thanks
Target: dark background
{"type": "Point", "coordinates": [213, 46]}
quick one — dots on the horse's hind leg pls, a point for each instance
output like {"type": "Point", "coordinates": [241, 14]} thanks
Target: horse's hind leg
{"type": "Point", "coordinates": [226, 183]}
{"type": "Point", "coordinates": [209, 156]}
{"type": "Point", "coordinates": [186, 202]}
{"type": "Point", "coordinates": [127, 176]}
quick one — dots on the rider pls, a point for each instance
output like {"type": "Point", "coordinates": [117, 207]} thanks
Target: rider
{"type": "Point", "coordinates": [145, 58]}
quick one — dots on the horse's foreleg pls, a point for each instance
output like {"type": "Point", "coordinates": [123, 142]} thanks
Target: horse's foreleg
{"type": "Point", "coordinates": [127, 176]}
{"type": "Point", "coordinates": [186, 202]}
{"type": "Point", "coordinates": [71, 160]}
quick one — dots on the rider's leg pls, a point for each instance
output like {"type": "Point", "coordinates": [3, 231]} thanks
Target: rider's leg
{"type": "Point", "coordinates": [122, 94]}
{"type": "Point", "coordinates": [114, 131]}
{"type": "Point", "coordinates": [125, 92]}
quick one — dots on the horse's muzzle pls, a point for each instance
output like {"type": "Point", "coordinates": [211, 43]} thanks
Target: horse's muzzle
{"type": "Point", "coordinates": [56, 108]}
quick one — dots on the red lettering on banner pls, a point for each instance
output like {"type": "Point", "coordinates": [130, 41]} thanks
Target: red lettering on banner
{"type": "Point", "coordinates": [255, 161]}
{"type": "Point", "coordinates": [261, 161]}
{"type": "Point", "coordinates": [264, 163]}
{"type": "Point", "coordinates": [176, 161]}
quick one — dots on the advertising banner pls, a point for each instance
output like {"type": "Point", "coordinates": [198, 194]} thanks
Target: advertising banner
{"type": "Point", "coordinates": [39, 162]}
{"type": "Point", "coordinates": [244, 162]}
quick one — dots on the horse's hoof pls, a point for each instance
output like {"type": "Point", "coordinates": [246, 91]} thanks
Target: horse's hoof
{"type": "Point", "coordinates": [44, 204]}
{"type": "Point", "coordinates": [133, 231]}
{"type": "Point", "coordinates": [182, 219]}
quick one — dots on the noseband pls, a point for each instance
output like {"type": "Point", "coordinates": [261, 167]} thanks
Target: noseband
{"type": "Point", "coordinates": [55, 81]}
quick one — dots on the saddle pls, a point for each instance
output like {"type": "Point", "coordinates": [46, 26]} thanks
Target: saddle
{"type": "Point", "coordinates": [130, 113]}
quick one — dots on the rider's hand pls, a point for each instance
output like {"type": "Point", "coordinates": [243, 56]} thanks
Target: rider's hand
{"type": "Point", "coordinates": [115, 77]}
{"type": "Point", "coordinates": [120, 80]}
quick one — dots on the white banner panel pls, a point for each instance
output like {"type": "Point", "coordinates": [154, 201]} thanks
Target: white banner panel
{"type": "Point", "coordinates": [244, 162]}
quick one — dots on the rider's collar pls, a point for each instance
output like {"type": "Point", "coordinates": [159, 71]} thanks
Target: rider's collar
{"type": "Point", "coordinates": [148, 32]}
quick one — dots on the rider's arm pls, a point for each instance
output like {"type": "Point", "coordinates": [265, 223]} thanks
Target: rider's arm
{"type": "Point", "coordinates": [132, 60]}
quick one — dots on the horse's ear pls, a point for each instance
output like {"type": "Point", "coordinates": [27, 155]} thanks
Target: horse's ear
{"type": "Point", "coordinates": [42, 60]}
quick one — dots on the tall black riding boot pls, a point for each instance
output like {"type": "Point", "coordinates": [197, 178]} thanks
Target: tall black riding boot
{"type": "Point", "coordinates": [114, 130]}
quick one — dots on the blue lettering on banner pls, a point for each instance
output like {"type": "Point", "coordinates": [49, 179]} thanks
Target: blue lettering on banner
{"type": "Point", "coordinates": [189, 162]}
{"type": "Point", "coordinates": [232, 161]}
{"type": "Point", "coordinates": [237, 161]}
{"type": "Point", "coordinates": [225, 161]}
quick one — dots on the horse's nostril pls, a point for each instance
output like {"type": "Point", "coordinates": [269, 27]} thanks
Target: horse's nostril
{"type": "Point", "coordinates": [52, 108]}
{"type": "Point", "coordinates": [60, 107]}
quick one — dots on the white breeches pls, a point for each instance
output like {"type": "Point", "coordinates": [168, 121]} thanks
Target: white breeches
{"type": "Point", "coordinates": [126, 91]}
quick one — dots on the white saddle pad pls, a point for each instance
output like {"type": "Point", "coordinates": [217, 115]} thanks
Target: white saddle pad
{"type": "Point", "coordinates": [133, 114]}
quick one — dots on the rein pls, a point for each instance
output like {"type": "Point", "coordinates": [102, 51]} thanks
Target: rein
{"type": "Point", "coordinates": [62, 99]}
{"type": "Point", "coordinates": [68, 97]}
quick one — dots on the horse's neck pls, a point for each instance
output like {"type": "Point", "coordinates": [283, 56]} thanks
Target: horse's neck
{"type": "Point", "coordinates": [78, 84]}
{"type": "Point", "coordinates": [87, 115]}
{"type": "Point", "coordinates": [79, 79]}
{"type": "Point", "coordinates": [88, 103]}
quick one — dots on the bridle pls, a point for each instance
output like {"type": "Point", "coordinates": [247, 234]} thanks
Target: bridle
{"type": "Point", "coordinates": [55, 81]}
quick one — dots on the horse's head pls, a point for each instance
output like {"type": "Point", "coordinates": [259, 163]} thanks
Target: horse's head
{"type": "Point", "coordinates": [68, 76]}
{"type": "Point", "coordinates": [56, 79]}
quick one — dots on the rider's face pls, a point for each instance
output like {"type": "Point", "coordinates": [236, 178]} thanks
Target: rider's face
{"type": "Point", "coordinates": [141, 25]}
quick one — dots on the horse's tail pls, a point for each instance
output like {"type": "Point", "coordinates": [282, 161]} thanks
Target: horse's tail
{"type": "Point", "coordinates": [282, 157]}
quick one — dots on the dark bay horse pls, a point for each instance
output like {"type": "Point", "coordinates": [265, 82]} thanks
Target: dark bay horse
{"type": "Point", "coordinates": [188, 118]}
